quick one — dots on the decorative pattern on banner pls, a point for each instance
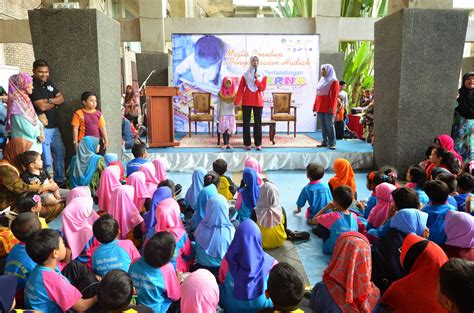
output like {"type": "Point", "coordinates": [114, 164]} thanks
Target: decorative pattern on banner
{"type": "Point", "coordinates": [290, 62]}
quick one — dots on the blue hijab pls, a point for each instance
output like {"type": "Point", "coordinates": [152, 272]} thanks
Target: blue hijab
{"type": "Point", "coordinates": [159, 195]}
{"type": "Point", "coordinates": [84, 163]}
{"type": "Point", "coordinates": [410, 221]}
{"type": "Point", "coordinates": [251, 190]}
{"type": "Point", "coordinates": [110, 157]}
{"type": "Point", "coordinates": [196, 187]}
{"type": "Point", "coordinates": [248, 263]}
{"type": "Point", "coordinates": [215, 232]}
{"type": "Point", "coordinates": [206, 193]}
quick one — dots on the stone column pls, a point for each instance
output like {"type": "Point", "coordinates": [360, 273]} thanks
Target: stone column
{"type": "Point", "coordinates": [82, 47]}
{"type": "Point", "coordinates": [468, 65]}
{"type": "Point", "coordinates": [152, 25]}
{"type": "Point", "coordinates": [418, 55]}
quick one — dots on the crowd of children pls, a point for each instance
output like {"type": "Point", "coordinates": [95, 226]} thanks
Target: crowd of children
{"type": "Point", "coordinates": [147, 249]}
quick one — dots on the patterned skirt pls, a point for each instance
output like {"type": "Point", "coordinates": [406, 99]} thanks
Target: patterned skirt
{"type": "Point", "coordinates": [463, 135]}
{"type": "Point", "coordinates": [227, 123]}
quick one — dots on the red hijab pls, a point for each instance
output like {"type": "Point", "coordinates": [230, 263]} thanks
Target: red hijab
{"type": "Point", "coordinates": [348, 276]}
{"type": "Point", "coordinates": [447, 143]}
{"type": "Point", "coordinates": [416, 292]}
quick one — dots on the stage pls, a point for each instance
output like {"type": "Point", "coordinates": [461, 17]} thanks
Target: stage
{"type": "Point", "coordinates": [283, 156]}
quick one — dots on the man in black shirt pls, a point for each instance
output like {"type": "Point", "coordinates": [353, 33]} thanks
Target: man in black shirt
{"type": "Point", "coordinates": [46, 98]}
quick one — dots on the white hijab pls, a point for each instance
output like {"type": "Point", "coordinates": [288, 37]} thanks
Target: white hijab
{"type": "Point", "coordinates": [268, 210]}
{"type": "Point", "coordinates": [250, 76]}
{"type": "Point", "coordinates": [324, 84]}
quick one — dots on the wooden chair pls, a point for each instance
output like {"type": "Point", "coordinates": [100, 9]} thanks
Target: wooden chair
{"type": "Point", "coordinates": [203, 111]}
{"type": "Point", "coordinates": [280, 111]}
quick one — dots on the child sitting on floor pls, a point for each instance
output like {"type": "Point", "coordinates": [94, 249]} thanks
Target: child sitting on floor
{"type": "Point", "coordinates": [316, 193]}
{"type": "Point", "coordinates": [112, 253]}
{"type": "Point", "coordinates": [46, 289]}
{"type": "Point", "coordinates": [227, 188]}
{"type": "Point", "coordinates": [154, 276]}
{"type": "Point", "coordinates": [416, 177]}
{"type": "Point", "coordinates": [450, 180]}
{"type": "Point", "coordinates": [331, 225]}
{"type": "Point", "coordinates": [465, 185]}
{"type": "Point", "coordinates": [35, 175]}
{"type": "Point", "coordinates": [438, 193]}
{"type": "Point", "coordinates": [456, 287]}
{"type": "Point", "coordinates": [285, 288]}
{"type": "Point", "coordinates": [30, 201]}
{"type": "Point", "coordinates": [115, 294]}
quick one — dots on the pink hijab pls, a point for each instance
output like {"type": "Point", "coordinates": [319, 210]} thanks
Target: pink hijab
{"type": "Point", "coordinates": [79, 191]}
{"type": "Point", "coordinates": [78, 217]}
{"type": "Point", "coordinates": [380, 211]}
{"type": "Point", "coordinates": [109, 181]}
{"type": "Point", "coordinates": [168, 218]}
{"type": "Point", "coordinates": [137, 181]}
{"type": "Point", "coordinates": [199, 292]}
{"type": "Point", "coordinates": [160, 169]}
{"type": "Point", "coordinates": [251, 162]}
{"type": "Point", "coordinates": [151, 181]}
{"type": "Point", "coordinates": [447, 143]}
{"type": "Point", "coordinates": [18, 101]}
{"type": "Point", "coordinates": [124, 210]}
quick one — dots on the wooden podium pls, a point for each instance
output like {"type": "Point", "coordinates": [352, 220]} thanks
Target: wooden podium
{"type": "Point", "coordinates": [160, 116]}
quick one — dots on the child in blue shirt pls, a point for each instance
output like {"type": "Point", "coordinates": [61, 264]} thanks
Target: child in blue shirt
{"type": "Point", "coordinates": [46, 289]}
{"type": "Point", "coordinates": [112, 253]}
{"type": "Point", "coordinates": [316, 193]}
{"type": "Point", "coordinates": [154, 276]}
{"type": "Point", "coordinates": [416, 177]}
{"type": "Point", "coordinates": [18, 262]}
{"type": "Point", "coordinates": [450, 180]}
{"type": "Point", "coordinates": [438, 193]}
{"type": "Point", "coordinates": [465, 185]}
{"type": "Point", "coordinates": [140, 154]}
{"type": "Point", "coordinates": [340, 220]}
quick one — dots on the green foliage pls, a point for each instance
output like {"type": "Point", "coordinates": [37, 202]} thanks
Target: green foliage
{"type": "Point", "coordinates": [298, 8]}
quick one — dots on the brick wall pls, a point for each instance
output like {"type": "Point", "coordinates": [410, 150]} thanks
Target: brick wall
{"type": "Point", "coordinates": [20, 55]}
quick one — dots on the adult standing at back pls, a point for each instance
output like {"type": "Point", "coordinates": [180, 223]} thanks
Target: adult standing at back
{"type": "Point", "coordinates": [46, 99]}
{"type": "Point", "coordinates": [250, 95]}
{"type": "Point", "coordinates": [325, 105]}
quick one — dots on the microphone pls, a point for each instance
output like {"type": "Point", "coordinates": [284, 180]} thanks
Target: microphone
{"type": "Point", "coordinates": [255, 71]}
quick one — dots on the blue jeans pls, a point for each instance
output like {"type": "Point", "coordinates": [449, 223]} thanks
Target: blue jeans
{"type": "Point", "coordinates": [53, 147]}
{"type": "Point", "coordinates": [326, 120]}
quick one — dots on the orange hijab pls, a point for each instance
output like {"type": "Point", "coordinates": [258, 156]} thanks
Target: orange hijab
{"type": "Point", "coordinates": [14, 148]}
{"type": "Point", "coordinates": [416, 292]}
{"type": "Point", "coordinates": [344, 175]}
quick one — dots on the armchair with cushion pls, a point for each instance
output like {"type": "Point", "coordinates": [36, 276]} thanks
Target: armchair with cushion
{"type": "Point", "coordinates": [201, 111]}
{"type": "Point", "coordinates": [281, 109]}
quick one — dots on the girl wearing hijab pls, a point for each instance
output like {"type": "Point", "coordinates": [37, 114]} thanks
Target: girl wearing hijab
{"type": "Point", "coordinates": [270, 218]}
{"type": "Point", "coordinates": [325, 104]}
{"type": "Point", "coordinates": [86, 166]}
{"type": "Point", "coordinates": [379, 213]}
{"type": "Point", "coordinates": [250, 96]}
{"type": "Point", "coordinates": [214, 235]}
{"type": "Point", "coordinates": [78, 217]}
{"type": "Point", "coordinates": [211, 182]}
{"type": "Point", "coordinates": [244, 272]}
{"type": "Point", "coordinates": [199, 293]}
{"type": "Point", "coordinates": [151, 181]}
{"type": "Point", "coordinates": [79, 191]}
{"type": "Point", "coordinates": [137, 180]}
{"type": "Point", "coordinates": [464, 118]}
{"type": "Point", "coordinates": [346, 284]}
{"type": "Point", "coordinates": [21, 118]}
{"type": "Point", "coordinates": [225, 111]}
{"type": "Point", "coordinates": [252, 162]}
{"type": "Point", "coordinates": [447, 143]}
{"type": "Point", "coordinates": [160, 194]}
{"type": "Point", "coordinates": [386, 267]}
{"type": "Point", "coordinates": [421, 259]}
{"type": "Point", "coordinates": [247, 196]}
{"type": "Point", "coordinates": [126, 213]}
{"type": "Point", "coordinates": [109, 181]}
{"type": "Point", "coordinates": [160, 169]}
{"type": "Point", "coordinates": [196, 186]}
{"type": "Point", "coordinates": [11, 184]}
{"type": "Point", "coordinates": [167, 215]}
{"type": "Point", "coordinates": [343, 176]}
{"type": "Point", "coordinates": [459, 228]}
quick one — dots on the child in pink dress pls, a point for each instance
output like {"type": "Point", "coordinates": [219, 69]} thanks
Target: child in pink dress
{"type": "Point", "coordinates": [225, 111]}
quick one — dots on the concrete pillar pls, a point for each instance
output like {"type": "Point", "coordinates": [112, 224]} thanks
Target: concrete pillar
{"type": "Point", "coordinates": [396, 5]}
{"type": "Point", "coordinates": [178, 8]}
{"type": "Point", "coordinates": [85, 58]}
{"type": "Point", "coordinates": [468, 65]}
{"type": "Point", "coordinates": [152, 26]}
{"type": "Point", "coordinates": [418, 54]}
{"type": "Point", "coordinates": [146, 62]}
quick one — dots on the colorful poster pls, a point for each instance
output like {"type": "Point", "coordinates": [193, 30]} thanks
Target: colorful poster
{"type": "Point", "coordinates": [290, 62]}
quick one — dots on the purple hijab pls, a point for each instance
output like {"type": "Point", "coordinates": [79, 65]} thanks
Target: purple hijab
{"type": "Point", "coordinates": [159, 195]}
{"type": "Point", "coordinates": [459, 228]}
{"type": "Point", "coordinates": [248, 263]}
{"type": "Point", "coordinates": [252, 189]}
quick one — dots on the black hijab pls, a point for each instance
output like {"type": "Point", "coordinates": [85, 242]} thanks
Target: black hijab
{"type": "Point", "coordinates": [466, 99]}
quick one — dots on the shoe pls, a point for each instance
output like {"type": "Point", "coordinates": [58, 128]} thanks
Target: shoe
{"type": "Point", "coordinates": [229, 147]}
{"type": "Point", "coordinates": [247, 148]}
{"type": "Point", "coordinates": [322, 145]}
{"type": "Point", "coordinates": [332, 147]}
{"type": "Point", "coordinates": [258, 148]}
{"type": "Point", "coordinates": [297, 235]}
